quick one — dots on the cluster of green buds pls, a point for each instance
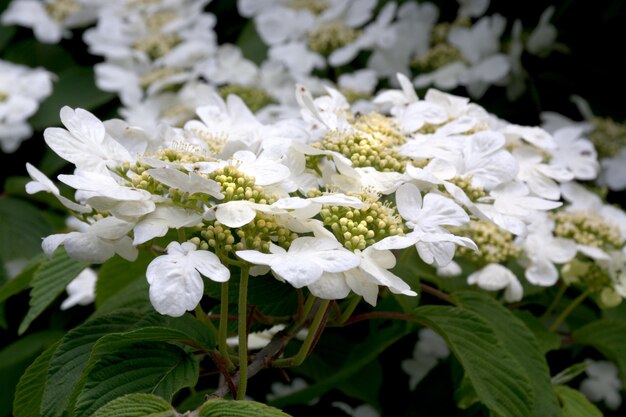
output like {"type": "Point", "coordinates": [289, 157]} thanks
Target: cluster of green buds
{"type": "Point", "coordinates": [608, 136]}
{"type": "Point", "coordinates": [235, 185]}
{"type": "Point", "coordinates": [360, 228]}
{"type": "Point", "coordinates": [441, 52]}
{"type": "Point", "coordinates": [371, 144]}
{"type": "Point", "coordinates": [495, 244]}
{"type": "Point", "coordinates": [589, 274]}
{"type": "Point", "coordinates": [255, 98]}
{"type": "Point", "coordinates": [314, 6]}
{"type": "Point", "coordinates": [331, 36]}
{"type": "Point", "coordinates": [465, 184]}
{"type": "Point", "coordinates": [588, 229]}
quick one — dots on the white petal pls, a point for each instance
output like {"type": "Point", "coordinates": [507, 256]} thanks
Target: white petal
{"type": "Point", "coordinates": [330, 286]}
{"type": "Point", "coordinates": [235, 213]}
{"type": "Point", "coordinates": [542, 272]}
{"type": "Point", "coordinates": [83, 125]}
{"type": "Point", "coordinates": [409, 202]}
{"type": "Point", "coordinates": [299, 271]}
{"type": "Point", "coordinates": [209, 265]}
{"type": "Point", "coordinates": [174, 288]}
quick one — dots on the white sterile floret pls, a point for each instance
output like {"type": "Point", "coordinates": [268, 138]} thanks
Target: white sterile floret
{"type": "Point", "coordinates": [305, 262]}
{"type": "Point", "coordinates": [157, 223]}
{"type": "Point", "coordinates": [21, 91]}
{"type": "Point", "coordinates": [542, 179]}
{"type": "Point", "coordinates": [576, 153]}
{"type": "Point", "coordinates": [82, 289]}
{"type": "Point", "coordinates": [603, 383]}
{"type": "Point", "coordinates": [429, 349]}
{"type": "Point", "coordinates": [613, 173]}
{"type": "Point", "coordinates": [85, 143]}
{"type": "Point", "coordinates": [426, 217]}
{"type": "Point", "coordinates": [543, 251]}
{"type": "Point", "coordinates": [42, 183]}
{"type": "Point", "coordinates": [175, 282]}
{"type": "Point", "coordinates": [494, 277]}
{"type": "Point", "coordinates": [99, 242]}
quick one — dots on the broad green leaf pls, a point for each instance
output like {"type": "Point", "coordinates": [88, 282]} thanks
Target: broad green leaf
{"type": "Point", "coordinates": [361, 356]}
{"type": "Point", "coordinates": [21, 228]}
{"type": "Point", "coordinates": [136, 405]}
{"type": "Point", "coordinates": [20, 282]}
{"type": "Point", "coordinates": [134, 296]}
{"type": "Point", "coordinates": [126, 368]}
{"type": "Point", "coordinates": [499, 381]}
{"type": "Point", "coordinates": [15, 358]}
{"type": "Point", "coordinates": [609, 337]}
{"type": "Point", "coordinates": [75, 87]}
{"type": "Point", "coordinates": [224, 408]}
{"type": "Point", "coordinates": [48, 282]}
{"type": "Point", "coordinates": [29, 390]}
{"type": "Point", "coordinates": [547, 340]}
{"type": "Point", "coordinates": [575, 404]}
{"type": "Point", "coordinates": [71, 357]}
{"type": "Point", "coordinates": [520, 342]}
{"type": "Point", "coordinates": [117, 273]}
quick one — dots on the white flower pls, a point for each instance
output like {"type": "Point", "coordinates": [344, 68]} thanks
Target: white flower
{"type": "Point", "coordinates": [543, 251]}
{"type": "Point", "coordinates": [614, 171]}
{"type": "Point", "coordinates": [99, 242]}
{"type": "Point", "coordinates": [540, 177]}
{"type": "Point", "coordinates": [21, 90]}
{"type": "Point", "coordinates": [230, 67]}
{"type": "Point", "coordinates": [42, 183]}
{"type": "Point", "coordinates": [85, 143]}
{"type": "Point", "coordinates": [494, 277]}
{"type": "Point", "coordinates": [429, 349]}
{"type": "Point", "coordinates": [576, 153]}
{"type": "Point", "coordinates": [82, 289]}
{"type": "Point", "coordinates": [191, 183]}
{"type": "Point", "coordinates": [426, 217]}
{"type": "Point", "coordinates": [363, 410]}
{"type": "Point", "coordinates": [305, 262]}
{"type": "Point", "coordinates": [296, 57]}
{"type": "Point", "coordinates": [603, 383]}
{"type": "Point", "coordinates": [175, 282]}
{"type": "Point", "coordinates": [542, 38]}
{"type": "Point", "coordinates": [157, 223]}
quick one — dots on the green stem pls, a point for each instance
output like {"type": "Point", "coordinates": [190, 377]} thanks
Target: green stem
{"type": "Point", "coordinates": [347, 312]}
{"type": "Point", "coordinates": [182, 237]}
{"type": "Point", "coordinates": [555, 301]}
{"type": "Point", "coordinates": [308, 341]}
{"type": "Point", "coordinates": [569, 309]}
{"type": "Point", "coordinates": [308, 304]}
{"type": "Point", "coordinates": [243, 333]}
{"type": "Point", "coordinates": [223, 331]}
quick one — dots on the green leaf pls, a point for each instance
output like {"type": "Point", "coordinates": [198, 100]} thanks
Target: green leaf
{"type": "Point", "coordinates": [520, 342]}
{"type": "Point", "coordinates": [547, 340]}
{"type": "Point", "coordinates": [609, 337]}
{"type": "Point", "coordinates": [15, 358]}
{"type": "Point", "coordinates": [251, 44]}
{"type": "Point", "coordinates": [134, 295]}
{"type": "Point", "coordinates": [6, 33]}
{"type": "Point", "coordinates": [117, 273]}
{"type": "Point", "coordinates": [224, 408]}
{"type": "Point", "coordinates": [497, 377]}
{"type": "Point", "coordinates": [21, 228]}
{"type": "Point", "coordinates": [361, 356]}
{"type": "Point", "coordinates": [32, 53]}
{"type": "Point", "coordinates": [575, 404]}
{"type": "Point", "coordinates": [29, 390]}
{"type": "Point", "coordinates": [125, 368]}
{"type": "Point", "coordinates": [75, 88]}
{"type": "Point", "coordinates": [48, 282]}
{"type": "Point", "coordinates": [136, 405]}
{"type": "Point", "coordinates": [72, 356]}
{"type": "Point", "coordinates": [568, 374]}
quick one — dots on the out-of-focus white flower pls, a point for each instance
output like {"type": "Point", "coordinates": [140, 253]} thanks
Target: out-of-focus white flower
{"type": "Point", "coordinates": [542, 38]}
{"type": "Point", "coordinates": [82, 289]}
{"type": "Point", "coordinates": [603, 383]}
{"type": "Point", "coordinates": [494, 277]}
{"type": "Point", "coordinates": [175, 282]}
{"type": "Point", "coordinates": [51, 20]}
{"type": "Point", "coordinates": [21, 91]}
{"type": "Point", "coordinates": [363, 410]}
{"type": "Point", "coordinates": [429, 349]}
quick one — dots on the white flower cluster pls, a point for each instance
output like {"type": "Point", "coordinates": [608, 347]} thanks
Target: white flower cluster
{"type": "Point", "coordinates": [21, 91]}
{"type": "Point", "coordinates": [311, 197]}
{"type": "Point", "coordinates": [308, 35]}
